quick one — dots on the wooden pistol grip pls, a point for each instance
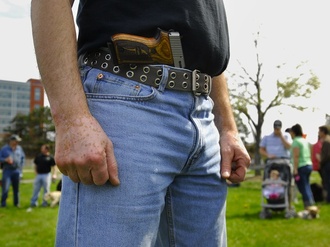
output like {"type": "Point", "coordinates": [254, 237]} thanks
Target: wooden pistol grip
{"type": "Point", "coordinates": [137, 49]}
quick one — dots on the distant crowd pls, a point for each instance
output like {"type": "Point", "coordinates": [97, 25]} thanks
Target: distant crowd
{"type": "Point", "coordinates": [304, 158]}
{"type": "Point", "coordinates": [12, 160]}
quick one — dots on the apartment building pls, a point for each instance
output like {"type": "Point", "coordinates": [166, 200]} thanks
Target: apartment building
{"type": "Point", "coordinates": [19, 97]}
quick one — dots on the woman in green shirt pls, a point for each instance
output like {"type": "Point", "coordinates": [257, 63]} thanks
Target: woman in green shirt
{"type": "Point", "coordinates": [302, 164]}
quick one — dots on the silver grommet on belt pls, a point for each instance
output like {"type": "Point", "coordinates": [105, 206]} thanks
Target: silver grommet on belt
{"type": "Point", "coordinates": [104, 65]}
{"type": "Point", "coordinates": [129, 74]}
{"type": "Point", "coordinates": [94, 62]}
{"type": "Point", "coordinates": [85, 60]}
{"type": "Point", "coordinates": [185, 76]}
{"type": "Point", "coordinates": [157, 81]}
{"type": "Point", "coordinates": [116, 69]}
{"type": "Point", "coordinates": [107, 57]}
{"type": "Point", "coordinates": [197, 76]}
{"type": "Point", "coordinates": [159, 72]}
{"type": "Point", "coordinates": [206, 78]}
{"type": "Point", "coordinates": [132, 66]}
{"type": "Point", "coordinates": [146, 69]}
{"type": "Point", "coordinates": [184, 84]}
{"type": "Point", "coordinates": [173, 75]}
{"type": "Point", "coordinates": [197, 85]}
{"type": "Point", "coordinates": [171, 84]}
{"type": "Point", "coordinates": [206, 86]}
{"type": "Point", "coordinates": [97, 54]}
{"type": "Point", "coordinates": [143, 78]}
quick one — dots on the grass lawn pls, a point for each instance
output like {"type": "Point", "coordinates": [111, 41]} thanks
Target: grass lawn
{"type": "Point", "coordinates": [37, 228]}
{"type": "Point", "coordinates": [21, 228]}
{"type": "Point", "coordinates": [245, 228]}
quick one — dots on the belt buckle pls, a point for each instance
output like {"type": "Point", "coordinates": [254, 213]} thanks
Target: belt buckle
{"type": "Point", "coordinates": [195, 84]}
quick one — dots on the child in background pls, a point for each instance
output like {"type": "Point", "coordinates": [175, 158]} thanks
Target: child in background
{"type": "Point", "coordinates": [273, 186]}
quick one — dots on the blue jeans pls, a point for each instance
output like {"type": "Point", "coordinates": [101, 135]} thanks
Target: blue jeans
{"type": "Point", "coordinates": [167, 149]}
{"type": "Point", "coordinates": [41, 181]}
{"type": "Point", "coordinates": [304, 185]}
{"type": "Point", "coordinates": [10, 176]}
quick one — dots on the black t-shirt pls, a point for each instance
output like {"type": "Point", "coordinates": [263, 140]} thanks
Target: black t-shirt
{"type": "Point", "coordinates": [201, 23]}
{"type": "Point", "coordinates": [44, 163]}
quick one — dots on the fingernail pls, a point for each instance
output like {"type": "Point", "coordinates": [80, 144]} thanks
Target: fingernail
{"type": "Point", "coordinates": [226, 174]}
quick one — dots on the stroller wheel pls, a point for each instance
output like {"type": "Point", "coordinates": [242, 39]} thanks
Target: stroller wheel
{"type": "Point", "coordinates": [290, 213]}
{"type": "Point", "coordinates": [262, 215]}
{"type": "Point", "coordinates": [265, 214]}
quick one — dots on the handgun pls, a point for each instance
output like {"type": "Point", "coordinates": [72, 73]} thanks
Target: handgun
{"type": "Point", "coordinates": [164, 48]}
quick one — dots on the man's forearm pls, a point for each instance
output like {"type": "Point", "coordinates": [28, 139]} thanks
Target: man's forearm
{"type": "Point", "coordinates": [234, 157]}
{"type": "Point", "coordinates": [224, 118]}
{"type": "Point", "coordinates": [263, 152]}
{"type": "Point", "coordinates": [55, 46]}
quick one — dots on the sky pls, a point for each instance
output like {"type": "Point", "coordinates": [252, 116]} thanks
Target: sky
{"type": "Point", "coordinates": [291, 31]}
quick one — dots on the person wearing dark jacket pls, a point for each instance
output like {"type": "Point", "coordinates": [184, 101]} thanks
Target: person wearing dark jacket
{"type": "Point", "coordinates": [325, 166]}
{"type": "Point", "coordinates": [45, 171]}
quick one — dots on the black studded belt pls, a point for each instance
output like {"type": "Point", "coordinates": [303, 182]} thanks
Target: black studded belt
{"type": "Point", "coordinates": [178, 79]}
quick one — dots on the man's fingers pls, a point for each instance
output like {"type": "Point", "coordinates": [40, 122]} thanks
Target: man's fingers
{"type": "Point", "coordinates": [226, 169]}
{"type": "Point", "coordinates": [100, 172]}
{"type": "Point", "coordinates": [62, 170]}
{"type": "Point", "coordinates": [96, 165]}
{"type": "Point", "coordinates": [238, 173]}
{"type": "Point", "coordinates": [226, 164]}
{"type": "Point", "coordinates": [99, 177]}
{"type": "Point", "coordinates": [73, 176]}
{"type": "Point", "coordinates": [112, 165]}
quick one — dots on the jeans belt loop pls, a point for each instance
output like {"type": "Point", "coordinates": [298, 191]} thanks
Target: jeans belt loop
{"type": "Point", "coordinates": [194, 82]}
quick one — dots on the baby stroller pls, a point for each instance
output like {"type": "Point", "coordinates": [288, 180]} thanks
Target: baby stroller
{"type": "Point", "coordinates": [276, 194]}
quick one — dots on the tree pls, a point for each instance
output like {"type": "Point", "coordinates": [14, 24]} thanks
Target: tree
{"type": "Point", "coordinates": [33, 128]}
{"type": "Point", "coordinates": [249, 101]}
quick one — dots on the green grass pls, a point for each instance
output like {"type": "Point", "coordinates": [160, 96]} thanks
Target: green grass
{"type": "Point", "coordinates": [21, 228]}
{"type": "Point", "coordinates": [244, 228]}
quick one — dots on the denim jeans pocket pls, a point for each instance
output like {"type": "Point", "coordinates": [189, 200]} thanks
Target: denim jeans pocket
{"type": "Point", "coordinates": [104, 85]}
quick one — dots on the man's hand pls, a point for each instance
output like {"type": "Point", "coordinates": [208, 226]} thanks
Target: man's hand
{"type": "Point", "coordinates": [85, 153]}
{"type": "Point", "coordinates": [234, 158]}
{"type": "Point", "coordinates": [278, 132]}
{"type": "Point", "coordinates": [9, 160]}
{"type": "Point", "coordinates": [271, 156]}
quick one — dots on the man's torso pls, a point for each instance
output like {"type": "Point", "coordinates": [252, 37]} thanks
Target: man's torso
{"type": "Point", "coordinates": [274, 146]}
{"type": "Point", "coordinates": [17, 156]}
{"type": "Point", "coordinates": [44, 163]}
{"type": "Point", "coordinates": [201, 24]}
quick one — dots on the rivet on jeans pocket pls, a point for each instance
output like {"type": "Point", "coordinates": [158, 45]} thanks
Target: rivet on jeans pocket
{"type": "Point", "coordinates": [100, 76]}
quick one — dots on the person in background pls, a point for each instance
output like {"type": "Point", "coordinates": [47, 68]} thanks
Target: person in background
{"type": "Point", "coordinates": [325, 167]}
{"type": "Point", "coordinates": [273, 187]}
{"type": "Point", "coordinates": [45, 170]}
{"type": "Point", "coordinates": [302, 164]}
{"type": "Point", "coordinates": [276, 144]}
{"type": "Point", "coordinates": [12, 158]}
{"type": "Point", "coordinates": [138, 143]}
{"type": "Point", "coordinates": [316, 155]}
{"type": "Point", "coordinates": [316, 150]}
